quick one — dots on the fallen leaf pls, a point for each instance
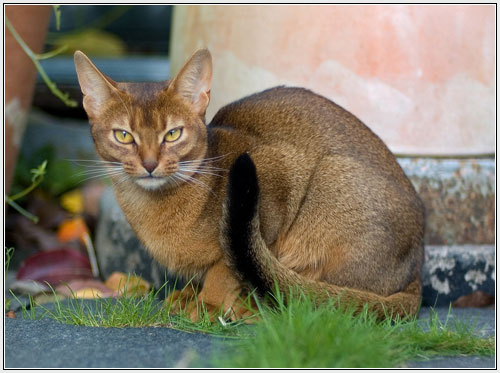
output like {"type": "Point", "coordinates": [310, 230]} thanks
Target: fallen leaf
{"type": "Point", "coordinates": [476, 299]}
{"type": "Point", "coordinates": [55, 267]}
{"type": "Point", "coordinates": [11, 315]}
{"type": "Point", "coordinates": [72, 229]}
{"type": "Point", "coordinates": [73, 201]}
{"type": "Point", "coordinates": [80, 287]}
{"type": "Point", "coordinates": [88, 293]}
{"type": "Point", "coordinates": [130, 284]}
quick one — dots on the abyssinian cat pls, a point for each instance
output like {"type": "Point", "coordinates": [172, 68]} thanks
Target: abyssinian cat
{"type": "Point", "coordinates": [313, 197]}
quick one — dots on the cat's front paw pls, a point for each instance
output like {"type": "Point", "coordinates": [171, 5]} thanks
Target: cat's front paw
{"type": "Point", "coordinates": [216, 313]}
{"type": "Point", "coordinates": [179, 300]}
{"type": "Point", "coordinates": [199, 310]}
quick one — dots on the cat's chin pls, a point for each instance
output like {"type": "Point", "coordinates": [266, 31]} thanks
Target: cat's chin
{"type": "Point", "coordinates": [151, 183]}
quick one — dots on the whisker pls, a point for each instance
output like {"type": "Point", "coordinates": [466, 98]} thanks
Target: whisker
{"type": "Point", "coordinates": [210, 159]}
{"type": "Point", "coordinates": [121, 180]}
{"type": "Point", "coordinates": [174, 179]}
{"type": "Point", "coordinates": [188, 178]}
{"type": "Point", "coordinates": [201, 172]}
{"type": "Point", "coordinates": [95, 161]}
{"type": "Point", "coordinates": [104, 167]}
{"type": "Point", "coordinates": [204, 168]}
{"type": "Point", "coordinates": [93, 177]}
{"type": "Point", "coordinates": [100, 174]}
{"type": "Point", "coordinates": [99, 170]}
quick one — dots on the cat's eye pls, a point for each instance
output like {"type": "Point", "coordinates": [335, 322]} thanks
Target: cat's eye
{"type": "Point", "coordinates": [173, 134]}
{"type": "Point", "coordinates": [123, 136]}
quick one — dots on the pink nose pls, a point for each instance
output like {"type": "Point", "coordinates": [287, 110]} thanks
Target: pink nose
{"type": "Point", "coordinates": [150, 165]}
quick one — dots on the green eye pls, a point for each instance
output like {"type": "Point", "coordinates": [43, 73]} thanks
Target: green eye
{"type": "Point", "coordinates": [123, 136]}
{"type": "Point", "coordinates": [173, 135]}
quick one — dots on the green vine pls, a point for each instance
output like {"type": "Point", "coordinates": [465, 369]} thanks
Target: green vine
{"type": "Point", "coordinates": [57, 14]}
{"type": "Point", "coordinates": [36, 179]}
{"type": "Point", "coordinates": [36, 58]}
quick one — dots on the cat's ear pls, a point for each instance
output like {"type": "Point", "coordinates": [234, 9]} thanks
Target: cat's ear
{"type": "Point", "coordinates": [194, 80]}
{"type": "Point", "coordinates": [97, 88]}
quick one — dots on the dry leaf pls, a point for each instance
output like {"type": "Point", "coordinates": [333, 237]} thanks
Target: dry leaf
{"type": "Point", "coordinates": [80, 288]}
{"type": "Point", "coordinates": [129, 284]}
{"type": "Point", "coordinates": [73, 201]}
{"type": "Point", "coordinates": [72, 229]}
{"type": "Point", "coordinates": [476, 299]}
{"type": "Point", "coordinates": [56, 266]}
{"type": "Point", "coordinates": [88, 293]}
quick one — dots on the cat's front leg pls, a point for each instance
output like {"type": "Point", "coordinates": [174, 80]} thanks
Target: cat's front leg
{"type": "Point", "coordinates": [219, 296]}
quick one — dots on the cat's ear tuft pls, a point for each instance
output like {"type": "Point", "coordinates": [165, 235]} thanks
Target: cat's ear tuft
{"type": "Point", "coordinates": [194, 80]}
{"type": "Point", "coordinates": [97, 88]}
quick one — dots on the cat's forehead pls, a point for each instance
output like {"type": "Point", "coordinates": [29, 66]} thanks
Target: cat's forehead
{"type": "Point", "coordinates": [144, 90]}
{"type": "Point", "coordinates": [148, 105]}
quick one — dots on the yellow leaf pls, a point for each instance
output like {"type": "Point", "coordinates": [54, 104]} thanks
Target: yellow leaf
{"type": "Point", "coordinates": [130, 284]}
{"type": "Point", "coordinates": [88, 293]}
{"type": "Point", "coordinates": [73, 201]}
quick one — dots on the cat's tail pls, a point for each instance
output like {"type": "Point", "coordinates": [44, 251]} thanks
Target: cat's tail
{"type": "Point", "coordinates": [254, 264]}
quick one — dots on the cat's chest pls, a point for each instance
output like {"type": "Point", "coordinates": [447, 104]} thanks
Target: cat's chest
{"type": "Point", "coordinates": [175, 235]}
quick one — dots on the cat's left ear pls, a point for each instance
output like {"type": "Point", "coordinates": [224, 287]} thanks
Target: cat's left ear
{"type": "Point", "coordinates": [194, 80]}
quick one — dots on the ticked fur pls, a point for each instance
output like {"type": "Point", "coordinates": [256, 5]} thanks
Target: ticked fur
{"type": "Point", "coordinates": [328, 207]}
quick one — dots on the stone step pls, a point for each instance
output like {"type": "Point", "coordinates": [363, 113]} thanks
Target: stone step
{"type": "Point", "coordinates": [459, 197]}
{"type": "Point", "coordinates": [449, 271]}
{"type": "Point", "coordinates": [452, 271]}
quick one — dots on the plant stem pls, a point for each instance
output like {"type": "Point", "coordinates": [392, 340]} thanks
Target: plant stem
{"type": "Point", "coordinates": [22, 211]}
{"type": "Point", "coordinates": [26, 191]}
{"type": "Point", "coordinates": [64, 97]}
{"type": "Point", "coordinates": [57, 13]}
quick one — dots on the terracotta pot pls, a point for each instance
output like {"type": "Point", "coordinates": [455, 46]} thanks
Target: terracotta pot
{"type": "Point", "coordinates": [31, 22]}
{"type": "Point", "coordinates": [421, 76]}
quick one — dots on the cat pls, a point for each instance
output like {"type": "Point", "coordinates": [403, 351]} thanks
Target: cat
{"type": "Point", "coordinates": [283, 188]}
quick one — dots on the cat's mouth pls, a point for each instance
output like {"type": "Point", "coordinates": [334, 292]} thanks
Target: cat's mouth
{"type": "Point", "coordinates": [151, 182]}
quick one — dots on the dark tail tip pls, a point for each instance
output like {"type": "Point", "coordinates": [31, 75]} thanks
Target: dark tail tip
{"type": "Point", "coordinates": [242, 205]}
{"type": "Point", "coordinates": [243, 191]}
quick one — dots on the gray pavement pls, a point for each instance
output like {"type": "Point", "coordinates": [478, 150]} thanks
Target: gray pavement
{"type": "Point", "coordinates": [47, 343]}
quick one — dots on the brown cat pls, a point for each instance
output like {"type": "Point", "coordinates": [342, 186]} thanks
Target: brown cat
{"type": "Point", "coordinates": [314, 198]}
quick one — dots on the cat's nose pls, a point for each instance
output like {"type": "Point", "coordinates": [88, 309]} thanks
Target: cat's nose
{"type": "Point", "coordinates": [150, 165]}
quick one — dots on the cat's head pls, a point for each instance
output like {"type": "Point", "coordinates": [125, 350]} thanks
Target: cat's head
{"type": "Point", "coordinates": [149, 133]}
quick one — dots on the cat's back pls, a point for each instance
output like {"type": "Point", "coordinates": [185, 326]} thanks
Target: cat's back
{"type": "Point", "coordinates": [303, 119]}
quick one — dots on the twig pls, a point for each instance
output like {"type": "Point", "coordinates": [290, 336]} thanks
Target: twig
{"type": "Point", "coordinates": [57, 14]}
{"type": "Point", "coordinates": [22, 211]}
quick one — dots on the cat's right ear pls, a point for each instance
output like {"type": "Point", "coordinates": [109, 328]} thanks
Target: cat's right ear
{"type": "Point", "coordinates": [97, 89]}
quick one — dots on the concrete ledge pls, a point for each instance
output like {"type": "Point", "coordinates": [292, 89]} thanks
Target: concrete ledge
{"type": "Point", "coordinates": [459, 197]}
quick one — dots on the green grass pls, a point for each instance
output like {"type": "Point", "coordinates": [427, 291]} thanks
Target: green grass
{"type": "Point", "coordinates": [130, 310]}
{"type": "Point", "coordinates": [299, 334]}
{"type": "Point", "coordinates": [303, 335]}
{"type": "Point", "coordinates": [9, 252]}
